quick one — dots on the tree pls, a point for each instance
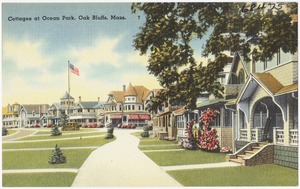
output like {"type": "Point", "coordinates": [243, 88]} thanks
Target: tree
{"type": "Point", "coordinates": [63, 120]}
{"type": "Point", "coordinates": [55, 130]}
{"type": "Point", "coordinates": [170, 28]}
{"type": "Point", "coordinates": [57, 156]}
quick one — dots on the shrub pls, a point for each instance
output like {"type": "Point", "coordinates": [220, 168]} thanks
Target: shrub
{"type": "Point", "coordinates": [57, 156]}
{"type": "Point", "coordinates": [110, 132]}
{"type": "Point", "coordinates": [55, 131]}
{"type": "Point", "coordinates": [208, 141]}
{"type": "Point", "coordinates": [4, 131]}
{"type": "Point", "coordinates": [145, 133]}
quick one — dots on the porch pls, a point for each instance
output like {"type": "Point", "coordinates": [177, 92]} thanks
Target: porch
{"type": "Point", "coordinates": [280, 136]}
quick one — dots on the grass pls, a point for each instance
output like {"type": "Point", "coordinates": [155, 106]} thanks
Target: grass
{"type": "Point", "coordinates": [38, 159]}
{"type": "Point", "coordinates": [161, 147]}
{"type": "Point", "coordinates": [155, 141]}
{"type": "Point", "coordinates": [38, 180]}
{"type": "Point", "coordinates": [64, 135]}
{"type": "Point", "coordinates": [263, 175]}
{"type": "Point", "coordinates": [99, 141]}
{"type": "Point", "coordinates": [185, 157]}
{"type": "Point", "coordinates": [9, 131]}
{"type": "Point", "coordinates": [48, 130]}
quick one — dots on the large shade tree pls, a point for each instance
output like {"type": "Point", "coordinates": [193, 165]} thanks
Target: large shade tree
{"type": "Point", "coordinates": [170, 28]}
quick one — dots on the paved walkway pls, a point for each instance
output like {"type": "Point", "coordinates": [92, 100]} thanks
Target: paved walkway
{"type": "Point", "coordinates": [121, 163]}
{"type": "Point", "coordinates": [21, 133]}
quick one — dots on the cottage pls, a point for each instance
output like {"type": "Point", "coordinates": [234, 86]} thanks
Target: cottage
{"type": "Point", "coordinates": [127, 107]}
{"type": "Point", "coordinates": [31, 115]}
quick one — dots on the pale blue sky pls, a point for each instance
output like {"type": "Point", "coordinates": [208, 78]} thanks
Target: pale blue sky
{"type": "Point", "coordinates": [35, 53]}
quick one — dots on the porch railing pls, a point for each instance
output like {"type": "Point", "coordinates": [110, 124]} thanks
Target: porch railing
{"type": "Point", "coordinates": [257, 134]}
{"type": "Point", "coordinates": [294, 137]}
{"type": "Point", "coordinates": [243, 134]}
{"type": "Point", "coordinates": [278, 135]}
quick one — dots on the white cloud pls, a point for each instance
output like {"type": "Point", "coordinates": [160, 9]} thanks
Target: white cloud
{"type": "Point", "coordinates": [102, 51]}
{"type": "Point", "coordinates": [137, 58]}
{"type": "Point", "coordinates": [25, 54]}
{"type": "Point", "coordinates": [147, 80]}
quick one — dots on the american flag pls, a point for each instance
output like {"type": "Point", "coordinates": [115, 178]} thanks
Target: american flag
{"type": "Point", "coordinates": [74, 70]}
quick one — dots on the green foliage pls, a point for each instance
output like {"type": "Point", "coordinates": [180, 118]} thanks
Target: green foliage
{"type": "Point", "coordinates": [4, 131]}
{"type": "Point", "coordinates": [55, 131]}
{"type": "Point", "coordinates": [63, 120]}
{"type": "Point", "coordinates": [57, 156]}
{"type": "Point", "coordinates": [145, 133]}
{"type": "Point", "coordinates": [110, 132]}
{"type": "Point", "coordinates": [170, 28]}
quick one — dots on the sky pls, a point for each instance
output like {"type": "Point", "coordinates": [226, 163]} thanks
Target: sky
{"type": "Point", "coordinates": [35, 53]}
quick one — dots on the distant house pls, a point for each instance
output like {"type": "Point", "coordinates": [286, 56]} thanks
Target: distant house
{"type": "Point", "coordinates": [67, 102]}
{"type": "Point", "coordinates": [88, 112]}
{"type": "Point", "coordinates": [127, 106]}
{"type": "Point", "coordinates": [31, 114]}
{"type": "Point", "coordinates": [10, 115]}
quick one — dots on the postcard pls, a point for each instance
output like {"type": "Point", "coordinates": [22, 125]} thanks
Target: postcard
{"type": "Point", "coordinates": [160, 94]}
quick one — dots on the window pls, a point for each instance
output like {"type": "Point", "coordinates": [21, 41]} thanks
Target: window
{"type": "Point", "coordinates": [129, 107]}
{"type": "Point", "coordinates": [180, 121]}
{"type": "Point", "coordinates": [241, 77]}
{"type": "Point", "coordinates": [133, 107]}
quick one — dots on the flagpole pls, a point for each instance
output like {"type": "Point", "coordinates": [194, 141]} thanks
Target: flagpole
{"type": "Point", "coordinates": [69, 91]}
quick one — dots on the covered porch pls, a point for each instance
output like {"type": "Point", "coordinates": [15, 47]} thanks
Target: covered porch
{"type": "Point", "coordinates": [268, 112]}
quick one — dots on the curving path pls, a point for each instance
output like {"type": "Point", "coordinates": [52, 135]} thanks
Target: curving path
{"type": "Point", "coordinates": [21, 133]}
{"type": "Point", "coordinates": [121, 163]}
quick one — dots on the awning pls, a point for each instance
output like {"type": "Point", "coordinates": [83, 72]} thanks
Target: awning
{"type": "Point", "coordinates": [116, 117]}
{"type": "Point", "coordinates": [133, 117]}
{"type": "Point", "coordinates": [144, 116]}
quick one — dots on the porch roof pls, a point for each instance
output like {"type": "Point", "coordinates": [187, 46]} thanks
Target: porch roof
{"type": "Point", "coordinates": [212, 102]}
{"type": "Point", "coordinates": [273, 85]}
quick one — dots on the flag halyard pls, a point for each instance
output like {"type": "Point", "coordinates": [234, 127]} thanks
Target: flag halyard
{"type": "Point", "coordinates": [74, 70]}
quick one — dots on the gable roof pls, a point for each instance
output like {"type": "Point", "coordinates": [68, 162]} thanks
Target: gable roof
{"type": "Point", "coordinates": [140, 92]}
{"type": "Point", "coordinates": [269, 81]}
{"type": "Point", "coordinates": [90, 104]}
{"type": "Point", "coordinates": [42, 108]}
{"type": "Point", "coordinates": [118, 95]}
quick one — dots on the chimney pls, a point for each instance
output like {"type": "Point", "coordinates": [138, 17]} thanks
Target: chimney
{"type": "Point", "coordinates": [124, 87]}
{"type": "Point", "coordinates": [98, 99]}
{"type": "Point", "coordinates": [79, 98]}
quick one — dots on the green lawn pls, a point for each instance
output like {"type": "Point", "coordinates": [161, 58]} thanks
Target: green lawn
{"type": "Point", "coordinates": [64, 135]}
{"type": "Point", "coordinates": [61, 143]}
{"type": "Point", "coordinates": [38, 179]}
{"type": "Point", "coordinates": [185, 157]}
{"type": "Point", "coordinates": [10, 131]}
{"type": "Point", "coordinates": [155, 141]}
{"type": "Point", "coordinates": [263, 175]}
{"type": "Point", "coordinates": [38, 159]}
{"type": "Point", "coordinates": [160, 147]}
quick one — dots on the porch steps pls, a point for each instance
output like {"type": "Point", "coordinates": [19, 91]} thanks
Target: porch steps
{"type": "Point", "coordinates": [246, 154]}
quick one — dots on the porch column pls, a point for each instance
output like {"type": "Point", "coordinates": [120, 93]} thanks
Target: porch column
{"type": "Point", "coordinates": [288, 122]}
{"type": "Point", "coordinates": [284, 103]}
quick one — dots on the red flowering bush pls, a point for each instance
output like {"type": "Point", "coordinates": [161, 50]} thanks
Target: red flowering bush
{"type": "Point", "coordinates": [191, 141]}
{"type": "Point", "coordinates": [208, 141]}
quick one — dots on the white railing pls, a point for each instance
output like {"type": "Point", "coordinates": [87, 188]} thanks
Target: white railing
{"type": "Point", "coordinates": [257, 134]}
{"type": "Point", "coordinates": [294, 137]}
{"type": "Point", "coordinates": [278, 135]}
{"type": "Point", "coordinates": [243, 134]}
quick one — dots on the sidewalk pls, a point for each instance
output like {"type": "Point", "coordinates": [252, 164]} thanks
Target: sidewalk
{"type": "Point", "coordinates": [121, 163]}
